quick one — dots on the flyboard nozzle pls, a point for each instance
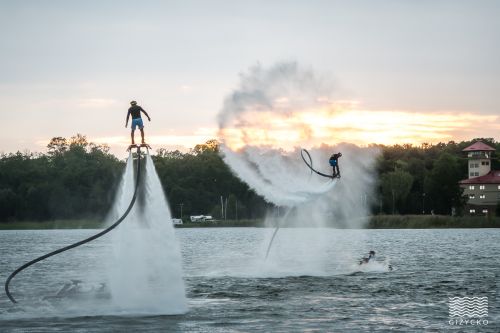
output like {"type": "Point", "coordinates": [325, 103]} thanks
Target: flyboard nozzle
{"type": "Point", "coordinates": [139, 146]}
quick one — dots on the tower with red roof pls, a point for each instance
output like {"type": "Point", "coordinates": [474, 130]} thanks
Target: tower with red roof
{"type": "Point", "coordinates": [482, 188]}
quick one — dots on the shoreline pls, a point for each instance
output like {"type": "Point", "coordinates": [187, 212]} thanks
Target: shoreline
{"type": "Point", "coordinates": [375, 222]}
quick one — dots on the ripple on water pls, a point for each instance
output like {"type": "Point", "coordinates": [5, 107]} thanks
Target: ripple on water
{"type": "Point", "coordinates": [228, 289]}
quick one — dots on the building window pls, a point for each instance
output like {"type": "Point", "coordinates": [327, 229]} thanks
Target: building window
{"type": "Point", "coordinates": [472, 196]}
{"type": "Point", "coordinates": [472, 211]}
{"type": "Point", "coordinates": [485, 211]}
{"type": "Point", "coordinates": [471, 166]}
{"type": "Point", "coordinates": [476, 173]}
{"type": "Point", "coordinates": [481, 187]}
{"type": "Point", "coordinates": [482, 196]}
{"type": "Point", "coordinates": [477, 165]}
{"type": "Point", "coordinates": [485, 163]}
{"type": "Point", "coordinates": [471, 187]}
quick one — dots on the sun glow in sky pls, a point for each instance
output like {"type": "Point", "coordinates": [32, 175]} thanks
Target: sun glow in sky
{"type": "Point", "coordinates": [179, 141]}
{"type": "Point", "coordinates": [314, 127]}
{"type": "Point", "coordinates": [425, 71]}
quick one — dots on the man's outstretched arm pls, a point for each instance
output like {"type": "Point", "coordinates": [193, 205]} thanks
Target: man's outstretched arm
{"type": "Point", "coordinates": [147, 115]}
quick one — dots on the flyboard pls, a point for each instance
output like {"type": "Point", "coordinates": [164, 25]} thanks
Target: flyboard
{"type": "Point", "coordinates": [310, 165]}
{"type": "Point", "coordinates": [89, 239]}
{"type": "Point", "coordinates": [138, 146]}
{"type": "Point", "coordinates": [306, 157]}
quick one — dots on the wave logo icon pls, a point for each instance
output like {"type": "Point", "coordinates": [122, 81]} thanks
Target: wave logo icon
{"type": "Point", "coordinates": [471, 307]}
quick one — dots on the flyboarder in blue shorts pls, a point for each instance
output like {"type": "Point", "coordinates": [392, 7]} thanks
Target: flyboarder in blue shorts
{"type": "Point", "coordinates": [135, 110]}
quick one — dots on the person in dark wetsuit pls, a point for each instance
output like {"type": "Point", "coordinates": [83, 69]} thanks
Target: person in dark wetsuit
{"type": "Point", "coordinates": [334, 162]}
{"type": "Point", "coordinates": [371, 255]}
{"type": "Point", "coordinates": [135, 110]}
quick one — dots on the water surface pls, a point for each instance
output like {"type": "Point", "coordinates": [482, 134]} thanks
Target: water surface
{"type": "Point", "coordinates": [311, 281]}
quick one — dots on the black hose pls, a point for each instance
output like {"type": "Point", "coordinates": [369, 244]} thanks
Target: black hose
{"type": "Point", "coordinates": [278, 226]}
{"type": "Point", "coordinates": [309, 164]}
{"type": "Point", "coordinates": [66, 248]}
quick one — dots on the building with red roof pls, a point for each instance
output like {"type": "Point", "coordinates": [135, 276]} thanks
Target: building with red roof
{"type": "Point", "coordinates": [479, 146]}
{"type": "Point", "coordinates": [482, 188]}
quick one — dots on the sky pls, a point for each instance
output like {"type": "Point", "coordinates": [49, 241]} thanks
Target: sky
{"type": "Point", "coordinates": [71, 67]}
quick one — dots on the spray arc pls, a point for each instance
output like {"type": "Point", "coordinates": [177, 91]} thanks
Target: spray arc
{"type": "Point", "coordinates": [306, 157]}
{"type": "Point", "coordinates": [264, 123]}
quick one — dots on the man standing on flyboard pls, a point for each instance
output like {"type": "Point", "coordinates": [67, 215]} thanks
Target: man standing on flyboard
{"type": "Point", "coordinates": [135, 110]}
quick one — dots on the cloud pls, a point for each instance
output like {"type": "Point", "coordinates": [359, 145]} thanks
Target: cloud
{"type": "Point", "coordinates": [283, 87]}
{"type": "Point", "coordinates": [95, 103]}
{"type": "Point", "coordinates": [328, 125]}
{"type": "Point", "coordinates": [287, 106]}
{"type": "Point", "coordinates": [185, 89]}
{"type": "Point", "coordinates": [174, 138]}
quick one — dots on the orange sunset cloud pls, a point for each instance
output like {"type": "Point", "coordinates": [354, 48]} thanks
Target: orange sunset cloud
{"type": "Point", "coordinates": [312, 127]}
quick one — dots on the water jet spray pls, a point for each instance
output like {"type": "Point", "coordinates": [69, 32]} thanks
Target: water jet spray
{"type": "Point", "coordinates": [309, 163]}
{"type": "Point", "coordinates": [263, 124]}
{"type": "Point", "coordinates": [89, 239]}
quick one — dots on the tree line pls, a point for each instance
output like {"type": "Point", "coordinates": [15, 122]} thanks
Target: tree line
{"type": "Point", "coordinates": [76, 179]}
{"type": "Point", "coordinates": [424, 179]}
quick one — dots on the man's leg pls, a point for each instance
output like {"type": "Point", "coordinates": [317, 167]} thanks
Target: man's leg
{"type": "Point", "coordinates": [132, 136]}
{"type": "Point", "coordinates": [142, 135]}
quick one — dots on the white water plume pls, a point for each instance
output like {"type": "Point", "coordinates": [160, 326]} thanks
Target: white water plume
{"type": "Point", "coordinates": [262, 131]}
{"type": "Point", "coordinates": [269, 172]}
{"type": "Point", "coordinates": [145, 274]}
{"type": "Point", "coordinates": [263, 126]}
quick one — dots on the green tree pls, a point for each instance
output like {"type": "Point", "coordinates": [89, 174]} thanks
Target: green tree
{"type": "Point", "coordinates": [57, 145]}
{"type": "Point", "coordinates": [199, 178]}
{"type": "Point", "coordinates": [396, 186]}
{"type": "Point", "coordinates": [78, 178]}
{"type": "Point", "coordinates": [442, 188]}
{"type": "Point", "coordinates": [75, 179]}
{"type": "Point", "coordinates": [414, 201]}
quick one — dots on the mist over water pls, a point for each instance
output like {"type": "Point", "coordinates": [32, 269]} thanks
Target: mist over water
{"type": "Point", "coordinates": [269, 172]}
{"type": "Point", "coordinates": [261, 136]}
{"type": "Point", "coordinates": [145, 274]}
{"type": "Point", "coordinates": [133, 270]}
{"type": "Point", "coordinates": [229, 292]}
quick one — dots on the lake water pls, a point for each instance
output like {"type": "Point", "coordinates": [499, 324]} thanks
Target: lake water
{"type": "Point", "coordinates": [310, 282]}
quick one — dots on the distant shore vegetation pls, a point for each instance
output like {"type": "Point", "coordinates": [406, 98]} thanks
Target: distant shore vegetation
{"type": "Point", "coordinates": [76, 180]}
{"type": "Point", "coordinates": [372, 222]}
